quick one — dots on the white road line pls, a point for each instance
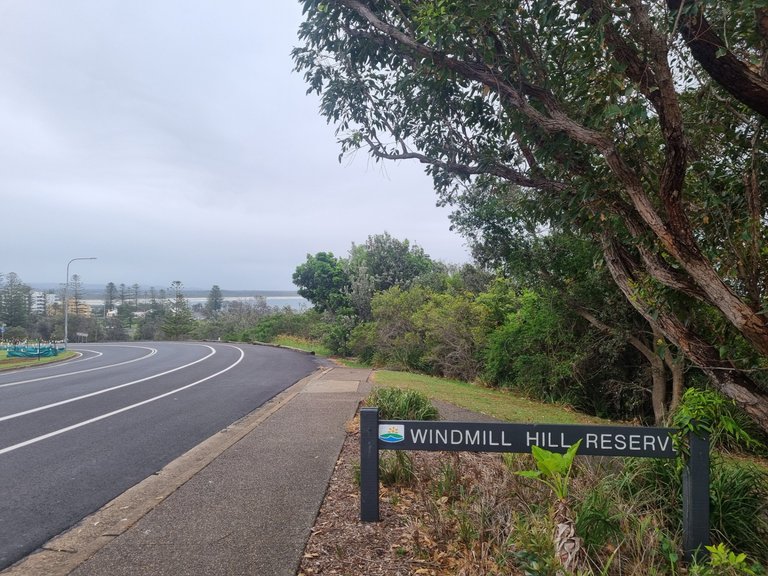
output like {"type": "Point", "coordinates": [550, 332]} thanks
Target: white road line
{"type": "Point", "coordinates": [120, 411]}
{"type": "Point", "coordinates": [105, 390]}
{"type": "Point", "coordinates": [152, 352]}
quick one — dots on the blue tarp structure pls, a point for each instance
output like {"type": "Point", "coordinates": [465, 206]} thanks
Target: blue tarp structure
{"type": "Point", "coordinates": [32, 351]}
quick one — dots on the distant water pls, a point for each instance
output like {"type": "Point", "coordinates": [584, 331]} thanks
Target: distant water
{"type": "Point", "coordinates": [296, 303]}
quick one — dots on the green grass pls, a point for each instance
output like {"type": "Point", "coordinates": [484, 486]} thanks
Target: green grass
{"type": "Point", "coordinates": [352, 363]}
{"type": "Point", "coordinates": [302, 344]}
{"type": "Point", "coordinates": [500, 404]}
{"type": "Point", "coordinates": [14, 363]}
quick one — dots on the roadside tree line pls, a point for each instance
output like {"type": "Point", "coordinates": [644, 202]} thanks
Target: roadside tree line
{"type": "Point", "coordinates": [547, 321]}
{"type": "Point", "coordinates": [127, 313]}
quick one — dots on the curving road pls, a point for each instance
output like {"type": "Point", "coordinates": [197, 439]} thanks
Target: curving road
{"type": "Point", "coordinates": [74, 435]}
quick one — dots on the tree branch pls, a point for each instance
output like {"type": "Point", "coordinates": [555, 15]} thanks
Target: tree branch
{"type": "Point", "coordinates": [726, 69]}
{"type": "Point", "coordinates": [510, 174]}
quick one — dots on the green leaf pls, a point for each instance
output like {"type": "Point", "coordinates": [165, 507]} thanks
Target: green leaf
{"type": "Point", "coordinates": [529, 473]}
{"type": "Point", "coordinates": [570, 454]}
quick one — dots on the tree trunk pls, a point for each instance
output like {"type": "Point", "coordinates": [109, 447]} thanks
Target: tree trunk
{"type": "Point", "coordinates": [732, 74]}
{"type": "Point", "coordinates": [676, 365]}
{"type": "Point", "coordinates": [724, 375]}
{"type": "Point", "coordinates": [659, 391]}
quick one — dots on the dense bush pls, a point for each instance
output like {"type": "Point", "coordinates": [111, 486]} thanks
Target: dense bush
{"type": "Point", "coordinates": [738, 499]}
{"type": "Point", "coordinates": [362, 342]}
{"type": "Point", "coordinates": [727, 426]}
{"type": "Point", "coordinates": [336, 336]}
{"type": "Point", "coordinates": [399, 342]}
{"type": "Point", "coordinates": [532, 350]}
{"type": "Point", "coordinates": [454, 329]}
{"type": "Point", "coordinates": [310, 324]}
{"type": "Point", "coordinates": [418, 329]}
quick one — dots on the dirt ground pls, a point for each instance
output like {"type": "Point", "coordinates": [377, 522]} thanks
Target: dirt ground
{"type": "Point", "coordinates": [340, 543]}
{"type": "Point", "coordinates": [398, 545]}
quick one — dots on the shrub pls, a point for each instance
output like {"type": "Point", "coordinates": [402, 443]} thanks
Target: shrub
{"type": "Point", "coordinates": [454, 329]}
{"type": "Point", "coordinates": [399, 343]}
{"type": "Point", "coordinates": [362, 342]}
{"type": "Point", "coordinates": [724, 562]}
{"type": "Point", "coordinates": [399, 404]}
{"type": "Point", "coordinates": [738, 500]}
{"type": "Point", "coordinates": [265, 330]}
{"type": "Point", "coordinates": [310, 324]}
{"type": "Point", "coordinates": [729, 428]}
{"type": "Point", "coordinates": [532, 351]}
{"type": "Point", "coordinates": [336, 337]}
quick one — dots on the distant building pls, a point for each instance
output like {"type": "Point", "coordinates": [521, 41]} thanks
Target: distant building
{"type": "Point", "coordinates": [40, 302]}
{"type": "Point", "coordinates": [80, 308]}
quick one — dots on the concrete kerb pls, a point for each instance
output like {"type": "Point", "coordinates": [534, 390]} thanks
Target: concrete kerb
{"type": "Point", "coordinates": [272, 345]}
{"type": "Point", "coordinates": [63, 553]}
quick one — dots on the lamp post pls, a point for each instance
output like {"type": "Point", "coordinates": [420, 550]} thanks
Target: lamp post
{"type": "Point", "coordinates": [66, 297]}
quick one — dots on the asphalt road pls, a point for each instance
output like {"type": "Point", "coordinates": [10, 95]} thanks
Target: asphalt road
{"type": "Point", "coordinates": [75, 435]}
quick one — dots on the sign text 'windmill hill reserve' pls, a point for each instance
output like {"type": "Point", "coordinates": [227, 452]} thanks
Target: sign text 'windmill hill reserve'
{"type": "Point", "coordinates": [520, 438]}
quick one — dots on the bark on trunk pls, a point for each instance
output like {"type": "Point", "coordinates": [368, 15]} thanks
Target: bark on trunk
{"type": "Point", "coordinates": [676, 365]}
{"type": "Point", "coordinates": [659, 392]}
{"type": "Point", "coordinates": [569, 546]}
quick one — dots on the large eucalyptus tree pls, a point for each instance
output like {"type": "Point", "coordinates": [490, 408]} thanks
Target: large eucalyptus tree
{"type": "Point", "coordinates": [638, 123]}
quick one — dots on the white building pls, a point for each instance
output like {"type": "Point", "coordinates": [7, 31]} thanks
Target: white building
{"type": "Point", "coordinates": [40, 302]}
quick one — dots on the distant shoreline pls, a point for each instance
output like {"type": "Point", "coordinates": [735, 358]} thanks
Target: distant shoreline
{"type": "Point", "coordinates": [94, 292]}
{"type": "Point", "coordinates": [295, 302]}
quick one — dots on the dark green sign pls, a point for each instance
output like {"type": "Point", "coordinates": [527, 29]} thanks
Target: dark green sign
{"type": "Point", "coordinates": [634, 441]}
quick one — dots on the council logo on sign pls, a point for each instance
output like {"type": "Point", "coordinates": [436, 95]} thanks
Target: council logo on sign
{"type": "Point", "coordinates": [392, 433]}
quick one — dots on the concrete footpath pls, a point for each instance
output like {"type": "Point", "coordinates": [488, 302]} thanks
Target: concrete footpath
{"type": "Point", "coordinates": [241, 503]}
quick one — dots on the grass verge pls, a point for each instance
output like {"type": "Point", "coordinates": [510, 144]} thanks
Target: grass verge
{"type": "Point", "coordinates": [14, 363]}
{"type": "Point", "coordinates": [500, 404]}
{"type": "Point", "coordinates": [302, 344]}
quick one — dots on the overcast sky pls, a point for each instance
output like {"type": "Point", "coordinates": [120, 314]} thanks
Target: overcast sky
{"type": "Point", "coordinates": [172, 140]}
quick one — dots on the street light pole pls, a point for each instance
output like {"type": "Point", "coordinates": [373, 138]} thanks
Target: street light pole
{"type": "Point", "coordinates": [66, 297]}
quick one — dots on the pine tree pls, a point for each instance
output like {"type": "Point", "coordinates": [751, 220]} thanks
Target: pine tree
{"type": "Point", "coordinates": [215, 302]}
{"type": "Point", "coordinates": [179, 322]}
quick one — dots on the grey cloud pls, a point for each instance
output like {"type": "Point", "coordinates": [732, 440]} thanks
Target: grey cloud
{"type": "Point", "coordinates": [172, 140]}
